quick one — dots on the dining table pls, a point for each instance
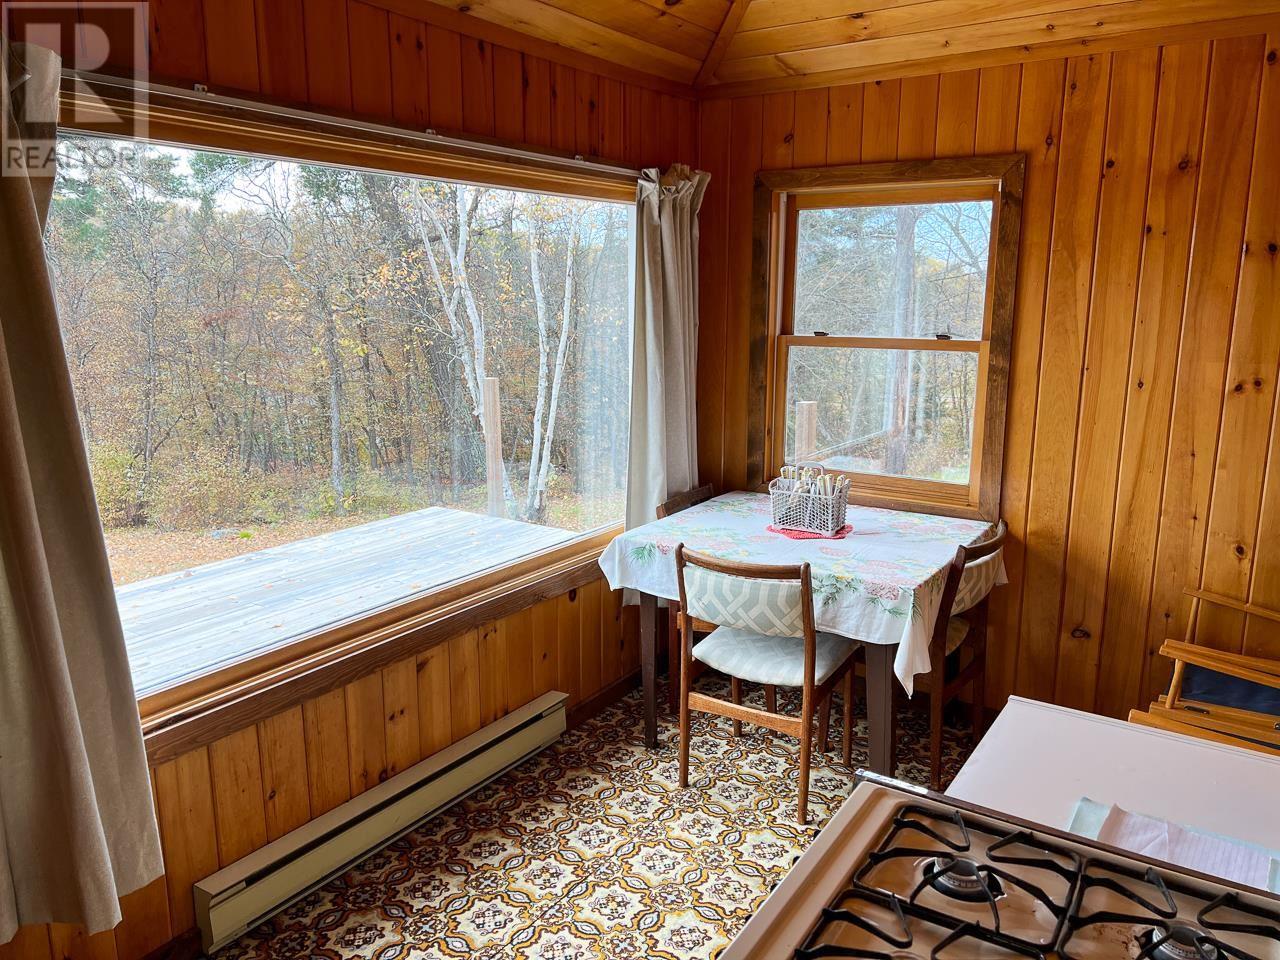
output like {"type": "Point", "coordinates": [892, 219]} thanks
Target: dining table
{"type": "Point", "coordinates": [880, 584]}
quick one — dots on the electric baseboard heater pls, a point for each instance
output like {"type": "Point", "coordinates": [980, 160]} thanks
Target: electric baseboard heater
{"type": "Point", "coordinates": [247, 892]}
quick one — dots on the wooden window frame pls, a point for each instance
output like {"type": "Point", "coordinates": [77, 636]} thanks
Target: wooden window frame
{"type": "Point", "coordinates": [198, 711]}
{"type": "Point", "coordinates": [779, 196]}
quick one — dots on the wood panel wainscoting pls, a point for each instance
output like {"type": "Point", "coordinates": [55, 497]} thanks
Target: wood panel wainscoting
{"type": "Point", "coordinates": [404, 64]}
{"type": "Point", "coordinates": [1146, 340]}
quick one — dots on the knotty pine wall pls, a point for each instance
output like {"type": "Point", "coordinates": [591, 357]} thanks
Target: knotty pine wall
{"type": "Point", "coordinates": [220, 802]}
{"type": "Point", "coordinates": [1141, 437]}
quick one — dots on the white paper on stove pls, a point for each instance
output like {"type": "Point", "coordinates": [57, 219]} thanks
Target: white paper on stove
{"type": "Point", "coordinates": [1162, 840]}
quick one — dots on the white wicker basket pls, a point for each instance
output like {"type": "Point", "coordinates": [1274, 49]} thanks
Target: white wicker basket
{"type": "Point", "coordinates": [809, 512]}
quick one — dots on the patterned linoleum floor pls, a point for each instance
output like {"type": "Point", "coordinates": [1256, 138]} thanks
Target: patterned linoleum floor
{"type": "Point", "coordinates": [590, 850]}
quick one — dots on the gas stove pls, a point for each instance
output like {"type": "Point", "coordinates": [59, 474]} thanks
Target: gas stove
{"type": "Point", "coordinates": [902, 873]}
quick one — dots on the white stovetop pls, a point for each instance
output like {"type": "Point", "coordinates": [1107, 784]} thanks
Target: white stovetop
{"type": "Point", "coordinates": [1038, 760]}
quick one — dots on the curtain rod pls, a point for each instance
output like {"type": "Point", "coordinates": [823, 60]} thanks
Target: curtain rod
{"type": "Point", "coordinates": [200, 94]}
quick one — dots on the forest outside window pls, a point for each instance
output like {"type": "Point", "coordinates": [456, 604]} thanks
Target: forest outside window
{"type": "Point", "coordinates": [311, 392]}
{"type": "Point", "coordinates": [893, 307]}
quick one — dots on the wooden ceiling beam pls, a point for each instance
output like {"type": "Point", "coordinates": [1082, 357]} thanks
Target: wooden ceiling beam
{"type": "Point", "coordinates": [732, 18]}
{"type": "Point", "coordinates": [1050, 50]}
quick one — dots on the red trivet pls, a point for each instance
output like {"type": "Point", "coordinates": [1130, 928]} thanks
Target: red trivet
{"type": "Point", "coordinates": [806, 535]}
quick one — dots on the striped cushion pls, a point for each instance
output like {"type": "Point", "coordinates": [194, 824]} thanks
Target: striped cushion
{"type": "Point", "coordinates": [976, 582]}
{"type": "Point", "coordinates": [770, 607]}
{"type": "Point", "coordinates": [758, 658]}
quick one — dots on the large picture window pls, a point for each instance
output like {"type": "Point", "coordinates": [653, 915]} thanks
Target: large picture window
{"type": "Point", "coordinates": [309, 392]}
{"type": "Point", "coordinates": [892, 299]}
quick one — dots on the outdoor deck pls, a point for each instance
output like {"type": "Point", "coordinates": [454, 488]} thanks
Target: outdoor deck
{"type": "Point", "coordinates": [187, 623]}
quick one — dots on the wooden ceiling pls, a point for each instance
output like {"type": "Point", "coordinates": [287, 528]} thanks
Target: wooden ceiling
{"type": "Point", "coordinates": [743, 46]}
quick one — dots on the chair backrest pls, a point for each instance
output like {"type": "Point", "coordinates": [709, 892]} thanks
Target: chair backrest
{"type": "Point", "coordinates": [683, 501]}
{"type": "Point", "coordinates": [970, 577]}
{"type": "Point", "coordinates": [773, 600]}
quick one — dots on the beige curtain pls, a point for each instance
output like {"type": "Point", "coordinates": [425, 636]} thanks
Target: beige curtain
{"type": "Point", "coordinates": [664, 438]}
{"type": "Point", "coordinates": [77, 829]}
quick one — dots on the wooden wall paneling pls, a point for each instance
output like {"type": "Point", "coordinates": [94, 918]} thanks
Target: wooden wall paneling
{"type": "Point", "coordinates": [918, 117]}
{"type": "Point", "coordinates": [235, 767]}
{"type": "Point", "coordinates": [29, 943]}
{"type": "Point", "coordinates": [537, 101]}
{"type": "Point", "coordinates": [230, 50]}
{"type": "Point", "coordinates": [564, 131]}
{"type": "Point", "coordinates": [714, 147]}
{"type": "Point", "coordinates": [1162, 284]}
{"type": "Point", "coordinates": [568, 645]}
{"type": "Point", "coordinates": [444, 79]}
{"type": "Point", "coordinates": [1248, 408]}
{"type": "Point", "coordinates": [1222, 192]}
{"type": "Point", "coordinates": [1066, 315]}
{"type": "Point", "coordinates": [369, 46]}
{"type": "Point", "coordinates": [657, 140]}
{"type": "Point", "coordinates": [508, 95]}
{"type": "Point", "coordinates": [324, 721]}
{"type": "Point", "coordinates": [686, 131]}
{"type": "Point", "coordinates": [366, 733]}
{"type": "Point", "coordinates": [880, 100]}
{"type": "Point", "coordinates": [590, 669]}
{"type": "Point", "coordinates": [586, 114]}
{"type": "Point", "coordinates": [844, 124]}
{"type": "Point", "coordinates": [176, 41]}
{"type": "Point", "coordinates": [957, 114]}
{"type": "Point", "coordinates": [612, 121]}
{"type": "Point", "coordinates": [1039, 137]}
{"type": "Point", "coordinates": [633, 132]}
{"type": "Point", "coordinates": [282, 50]}
{"type": "Point", "coordinates": [777, 136]}
{"type": "Point", "coordinates": [144, 923]}
{"type": "Point", "coordinates": [492, 647]}
{"type": "Point", "coordinates": [744, 162]}
{"type": "Point", "coordinates": [328, 54]}
{"type": "Point", "coordinates": [188, 830]}
{"type": "Point", "coordinates": [400, 706]}
{"type": "Point", "coordinates": [546, 662]}
{"type": "Point", "coordinates": [70, 941]}
{"type": "Point", "coordinates": [610, 635]}
{"type": "Point", "coordinates": [519, 658]}
{"type": "Point", "coordinates": [435, 708]}
{"type": "Point", "coordinates": [809, 148]}
{"type": "Point", "coordinates": [409, 96]}
{"type": "Point", "coordinates": [282, 742]}
{"type": "Point", "coordinates": [464, 684]}
{"type": "Point", "coordinates": [477, 87]}
{"type": "Point", "coordinates": [997, 124]}
{"type": "Point", "coordinates": [1120, 232]}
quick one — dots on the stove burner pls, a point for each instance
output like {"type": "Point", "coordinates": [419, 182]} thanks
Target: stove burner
{"type": "Point", "coordinates": [1183, 941]}
{"type": "Point", "coordinates": [960, 879]}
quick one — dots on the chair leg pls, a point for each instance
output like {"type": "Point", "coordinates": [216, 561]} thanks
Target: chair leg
{"type": "Point", "coordinates": [848, 717]}
{"type": "Point", "coordinates": [979, 686]}
{"type": "Point", "coordinates": [735, 691]}
{"type": "Point", "coordinates": [673, 656]}
{"type": "Point", "coordinates": [824, 722]}
{"type": "Point", "coordinates": [771, 698]}
{"type": "Point", "coordinates": [806, 740]}
{"type": "Point", "coordinates": [935, 733]}
{"type": "Point", "coordinates": [685, 647]}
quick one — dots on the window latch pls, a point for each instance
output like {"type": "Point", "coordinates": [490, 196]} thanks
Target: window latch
{"type": "Point", "coordinates": [821, 333]}
{"type": "Point", "coordinates": [942, 336]}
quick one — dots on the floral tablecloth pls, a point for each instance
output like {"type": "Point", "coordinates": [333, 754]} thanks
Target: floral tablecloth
{"type": "Point", "coordinates": [880, 584]}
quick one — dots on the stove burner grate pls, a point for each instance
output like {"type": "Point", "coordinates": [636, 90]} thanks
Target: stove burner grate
{"type": "Point", "coordinates": [1181, 941]}
{"type": "Point", "coordinates": [961, 878]}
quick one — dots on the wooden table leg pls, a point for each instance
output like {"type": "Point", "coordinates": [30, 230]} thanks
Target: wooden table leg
{"type": "Point", "coordinates": [649, 666]}
{"type": "Point", "coordinates": [881, 718]}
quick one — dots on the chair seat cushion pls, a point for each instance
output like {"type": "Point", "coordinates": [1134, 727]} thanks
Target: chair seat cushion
{"type": "Point", "coordinates": [957, 630]}
{"type": "Point", "coordinates": [759, 658]}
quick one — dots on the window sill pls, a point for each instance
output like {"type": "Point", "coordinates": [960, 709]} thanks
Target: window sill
{"type": "Point", "coordinates": [201, 711]}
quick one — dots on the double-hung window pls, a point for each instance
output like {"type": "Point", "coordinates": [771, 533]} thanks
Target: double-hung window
{"type": "Point", "coordinates": [891, 307]}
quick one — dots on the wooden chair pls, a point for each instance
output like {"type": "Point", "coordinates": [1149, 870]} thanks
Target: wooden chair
{"type": "Point", "coordinates": [1233, 725]}
{"type": "Point", "coordinates": [961, 625]}
{"type": "Point", "coordinates": [764, 634]}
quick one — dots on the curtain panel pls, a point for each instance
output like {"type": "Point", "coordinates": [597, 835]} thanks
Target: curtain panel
{"type": "Point", "coordinates": [664, 442]}
{"type": "Point", "coordinates": [77, 828]}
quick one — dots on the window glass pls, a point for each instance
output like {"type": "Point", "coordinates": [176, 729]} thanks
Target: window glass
{"type": "Point", "coordinates": [281, 371]}
{"type": "Point", "coordinates": [910, 270]}
{"type": "Point", "coordinates": [901, 413]}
